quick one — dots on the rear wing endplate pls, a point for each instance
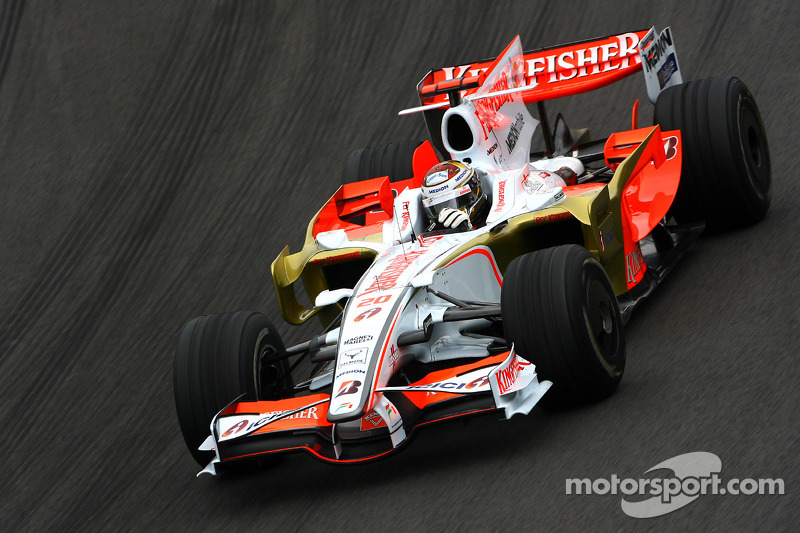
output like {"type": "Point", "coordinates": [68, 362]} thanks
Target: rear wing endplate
{"type": "Point", "coordinates": [660, 62]}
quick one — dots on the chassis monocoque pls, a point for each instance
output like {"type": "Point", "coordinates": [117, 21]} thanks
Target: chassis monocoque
{"type": "Point", "coordinates": [424, 326]}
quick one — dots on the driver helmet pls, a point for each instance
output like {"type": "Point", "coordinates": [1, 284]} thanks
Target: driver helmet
{"type": "Point", "coordinates": [452, 184]}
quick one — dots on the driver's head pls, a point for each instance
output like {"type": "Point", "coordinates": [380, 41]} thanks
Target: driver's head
{"type": "Point", "coordinates": [452, 184]}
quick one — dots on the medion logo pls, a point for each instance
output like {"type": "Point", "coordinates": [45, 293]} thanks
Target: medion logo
{"type": "Point", "coordinates": [657, 49]}
{"type": "Point", "coordinates": [514, 132]}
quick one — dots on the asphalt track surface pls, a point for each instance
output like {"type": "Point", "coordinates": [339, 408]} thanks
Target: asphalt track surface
{"type": "Point", "coordinates": [156, 156]}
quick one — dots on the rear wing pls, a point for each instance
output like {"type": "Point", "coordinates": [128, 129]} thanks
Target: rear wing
{"type": "Point", "coordinates": [550, 72]}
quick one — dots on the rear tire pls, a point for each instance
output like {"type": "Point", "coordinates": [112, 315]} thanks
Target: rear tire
{"type": "Point", "coordinates": [220, 357]}
{"type": "Point", "coordinates": [561, 313]}
{"type": "Point", "coordinates": [726, 178]}
{"type": "Point", "coordinates": [393, 160]}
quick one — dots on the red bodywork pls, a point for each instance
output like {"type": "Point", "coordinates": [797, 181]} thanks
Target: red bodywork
{"type": "Point", "coordinates": [373, 199]}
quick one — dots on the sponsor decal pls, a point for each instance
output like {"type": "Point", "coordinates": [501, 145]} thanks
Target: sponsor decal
{"type": "Point", "coordinates": [391, 414]}
{"type": "Point", "coordinates": [406, 216]}
{"type": "Point", "coordinates": [446, 195]}
{"type": "Point", "coordinates": [514, 132]}
{"type": "Point", "coordinates": [368, 314]}
{"type": "Point", "coordinates": [397, 266]}
{"type": "Point", "coordinates": [612, 54]}
{"type": "Point", "coordinates": [358, 340]}
{"type": "Point", "coordinates": [353, 371]}
{"type": "Point", "coordinates": [346, 405]}
{"type": "Point", "coordinates": [665, 72]}
{"type": "Point", "coordinates": [633, 263]}
{"type": "Point", "coordinates": [372, 420]}
{"type": "Point", "coordinates": [587, 61]}
{"type": "Point", "coordinates": [552, 218]}
{"type": "Point", "coordinates": [501, 196]}
{"type": "Point", "coordinates": [352, 357]}
{"type": "Point", "coordinates": [437, 189]}
{"type": "Point", "coordinates": [394, 356]}
{"type": "Point", "coordinates": [337, 258]}
{"type": "Point", "coordinates": [492, 149]}
{"type": "Point", "coordinates": [487, 108]}
{"type": "Point", "coordinates": [507, 377]}
{"type": "Point", "coordinates": [426, 242]}
{"type": "Point", "coordinates": [311, 412]}
{"type": "Point", "coordinates": [236, 428]}
{"type": "Point", "coordinates": [606, 237]}
{"type": "Point", "coordinates": [438, 177]}
{"type": "Point", "coordinates": [453, 385]}
{"type": "Point", "coordinates": [388, 278]}
{"type": "Point", "coordinates": [266, 418]}
{"type": "Point", "coordinates": [656, 49]}
{"type": "Point", "coordinates": [532, 185]}
{"type": "Point", "coordinates": [671, 147]}
{"type": "Point", "coordinates": [348, 387]}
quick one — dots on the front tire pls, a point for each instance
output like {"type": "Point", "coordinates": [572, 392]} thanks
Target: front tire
{"type": "Point", "coordinates": [220, 357]}
{"type": "Point", "coordinates": [560, 311]}
{"type": "Point", "coordinates": [727, 177]}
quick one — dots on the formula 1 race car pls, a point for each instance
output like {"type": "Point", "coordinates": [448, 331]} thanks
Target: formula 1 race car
{"type": "Point", "coordinates": [422, 323]}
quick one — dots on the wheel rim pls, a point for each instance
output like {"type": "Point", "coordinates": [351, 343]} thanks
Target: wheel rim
{"type": "Point", "coordinates": [268, 374]}
{"type": "Point", "coordinates": [603, 323]}
{"type": "Point", "coordinates": [754, 145]}
{"type": "Point", "coordinates": [754, 148]}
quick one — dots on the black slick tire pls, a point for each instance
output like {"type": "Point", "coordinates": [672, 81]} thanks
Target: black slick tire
{"type": "Point", "coordinates": [726, 178]}
{"type": "Point", "coordinates": [561, 314]}
{"type": "Point", "coordinates": [218, 358]}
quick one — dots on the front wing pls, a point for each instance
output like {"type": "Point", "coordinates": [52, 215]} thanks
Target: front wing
{"type": "Point", "coordinates": [243, 430]}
